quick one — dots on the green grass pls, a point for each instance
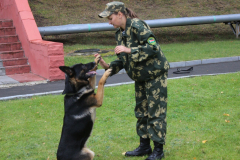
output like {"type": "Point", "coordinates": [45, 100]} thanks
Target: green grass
{"type": "Point", "coordinates": [200, 50]}
{"type": "Point", "coordinates": [174, 52]}
{"type": "Point", "coordinates": [198, 110]}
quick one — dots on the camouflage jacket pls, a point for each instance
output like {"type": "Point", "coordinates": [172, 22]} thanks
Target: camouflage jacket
{"type": "Point", "coordinates": [146, 60]}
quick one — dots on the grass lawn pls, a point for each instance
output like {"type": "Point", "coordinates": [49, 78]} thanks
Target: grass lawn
{"type": "Point", "coordinates": [174, 52]}
{"type": "Point", "coordinates": [203, 122]}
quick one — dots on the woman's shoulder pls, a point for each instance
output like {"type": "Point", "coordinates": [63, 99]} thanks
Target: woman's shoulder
{"type": "Point", "coordinates": [135, 22]}
{"type": "Point", "coordinates": [138, 23]}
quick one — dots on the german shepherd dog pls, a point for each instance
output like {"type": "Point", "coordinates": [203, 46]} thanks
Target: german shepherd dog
{"type": "Point", "coordinates": [80, 103]}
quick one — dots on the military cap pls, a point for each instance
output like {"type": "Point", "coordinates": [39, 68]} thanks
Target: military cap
{"type": "Point", "coordinates": [111, 8]}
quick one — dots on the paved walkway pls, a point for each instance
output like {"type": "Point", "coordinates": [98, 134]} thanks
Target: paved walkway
{"type": "Point", "coordinates": [12, 89]}
{"type": "Point", "coordinates": [13, 80]}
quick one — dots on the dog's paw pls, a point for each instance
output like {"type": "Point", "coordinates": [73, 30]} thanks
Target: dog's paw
{"type": "Point", "coordinates": [97, 59]}
{"type": "Point", "coordinates": [108, 72]}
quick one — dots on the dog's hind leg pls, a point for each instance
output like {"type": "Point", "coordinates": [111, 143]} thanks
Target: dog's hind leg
{"type": "Point", "coordinates": [86, 154]}
{"type": "Point", "coordinates": [100, 90]}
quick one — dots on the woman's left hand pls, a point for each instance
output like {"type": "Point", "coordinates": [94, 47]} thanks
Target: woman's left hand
{"type": "Point", "coordinates": [120, 49]}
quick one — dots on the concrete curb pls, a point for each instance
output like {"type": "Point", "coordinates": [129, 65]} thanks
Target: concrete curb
{"type": "Point", "coordinates": [188, 63]}
{"type": "Point", "coordinates": [13, 83]}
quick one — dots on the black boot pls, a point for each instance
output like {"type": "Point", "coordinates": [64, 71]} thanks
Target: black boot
{"type": "Point", "coordinates": [143, 149]}
{"type": "Point", "coordinates": [157, 153]}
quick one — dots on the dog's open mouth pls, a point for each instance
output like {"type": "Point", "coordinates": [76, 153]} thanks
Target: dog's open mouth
{"type": "Point", "coordinates": [91, 73]}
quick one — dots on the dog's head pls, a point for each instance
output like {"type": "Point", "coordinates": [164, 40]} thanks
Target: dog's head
{"type": "Point", "coordinates": [77, 76]}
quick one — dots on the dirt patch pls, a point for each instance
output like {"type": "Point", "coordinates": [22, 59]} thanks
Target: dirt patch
{"type": "Point", "coordinates": [88, 52]}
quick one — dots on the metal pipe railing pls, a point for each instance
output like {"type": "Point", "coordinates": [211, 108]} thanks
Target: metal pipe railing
{"type": "Point", "coordinates": [96, 27]}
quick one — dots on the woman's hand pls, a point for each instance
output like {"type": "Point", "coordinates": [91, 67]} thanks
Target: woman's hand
{"type": "Point", "coordinates": [102, 63]}
{"type": "Point", "coordinates": [120, 49]}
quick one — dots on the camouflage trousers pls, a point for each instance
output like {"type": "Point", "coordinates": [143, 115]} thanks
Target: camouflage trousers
{"type": "Point", "coordinates": [151, 108]}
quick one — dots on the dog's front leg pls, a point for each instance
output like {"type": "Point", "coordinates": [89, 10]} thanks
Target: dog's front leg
{"type": "Point", "coordinates": [100, 90]}
{"type": "Point", "coordinates": [92, 80]}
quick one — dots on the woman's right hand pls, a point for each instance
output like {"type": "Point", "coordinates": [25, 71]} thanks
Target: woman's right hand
{"type": "Point", "coordinates": [102, 63]}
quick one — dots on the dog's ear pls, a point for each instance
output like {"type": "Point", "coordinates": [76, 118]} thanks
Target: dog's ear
{"type": "Point", "coordinates": [66, 70]}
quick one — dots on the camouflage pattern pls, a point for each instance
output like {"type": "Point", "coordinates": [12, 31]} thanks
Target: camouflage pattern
{"type": "Point", "coordinates": [111, 8]}
{"type": "Point", "coordinates": [148, 67]}
{"type": "Point", "coordinates": [146, 61]}
{"type": "Point", "coordinates": [151, 108]}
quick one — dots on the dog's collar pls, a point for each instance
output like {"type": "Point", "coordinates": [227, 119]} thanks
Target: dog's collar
{"type": "Point", "coordinates": [82, 91]}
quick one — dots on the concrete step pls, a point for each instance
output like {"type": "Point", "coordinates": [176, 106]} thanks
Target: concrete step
{"type": "Point", "coordinates": [14, 62]}
{"type": "Point", "coordinates": [17, 69]}
{"type": "Point", "coordinates": [11, 54]}
{"type": "Point", "coordinates": [9, 39]}
{"type": "Point", "coordinates": [10, 46]}
{"type": "Point", "coordinates": [6, 23]}
{"type": "Point", "coordinates": [4, 31]}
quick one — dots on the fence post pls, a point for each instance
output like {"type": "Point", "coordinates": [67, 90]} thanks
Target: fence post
{"type": "Point", "coordinates": [237, 29]}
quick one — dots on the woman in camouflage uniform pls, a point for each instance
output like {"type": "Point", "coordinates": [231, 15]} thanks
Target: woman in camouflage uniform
{"type": "Point", "coordinates": [140, 55]}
